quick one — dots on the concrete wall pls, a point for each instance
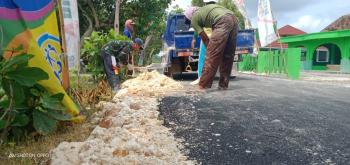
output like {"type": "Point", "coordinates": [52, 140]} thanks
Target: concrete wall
{"type": "Point", "coordinates": [345, 66]}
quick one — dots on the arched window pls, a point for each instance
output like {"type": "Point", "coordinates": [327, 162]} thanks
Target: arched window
{"type": "Point", "coordinates": [327, 57]}
{"type": "Point", "coordinates": [322, 55]}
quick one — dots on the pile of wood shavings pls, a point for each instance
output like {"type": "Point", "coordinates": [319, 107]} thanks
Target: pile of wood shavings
{"type": "Point", "coordinates": [129, 131]}
{"type": "Point", "coordinates": [150, 84]}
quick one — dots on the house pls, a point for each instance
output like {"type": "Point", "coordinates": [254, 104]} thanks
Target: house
{"type": "Point", "coordinates": [326, 50]}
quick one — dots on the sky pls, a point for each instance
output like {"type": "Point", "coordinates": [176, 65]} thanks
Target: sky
{"type": "Point", "coordinates": [307, 15]}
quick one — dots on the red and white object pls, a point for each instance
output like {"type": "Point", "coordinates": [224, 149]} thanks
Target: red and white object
{"type": "Point", "coordinates": [266, 22]}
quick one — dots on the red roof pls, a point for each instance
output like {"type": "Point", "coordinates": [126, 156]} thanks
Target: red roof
{"type": "Point", "coordinates": [340, 24]}
{"type": "Point", "coordinates": [284, 32]}
{"type": "Point", "coordinates": [276, 44]}
{"type": "Point", "coordinates": [290, 31]}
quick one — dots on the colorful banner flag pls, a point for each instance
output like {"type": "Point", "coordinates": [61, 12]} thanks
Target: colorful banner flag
{"type": "Point", "coordinates": [267, 33]}
{"type": "Point", "coordinates": [33, 24]}
{"type": "Point", "coordinates": [71, 29]}
{"type": "Point", "coordinates": [240, 4]}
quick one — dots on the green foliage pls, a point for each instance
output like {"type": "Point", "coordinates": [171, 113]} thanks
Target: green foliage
{"type": "Point", "coordinates": [149, 16]}
{"type": "Point", "coordinates": [20, 120]}
{"type": "Point", "coordinates": [104, 13]}
{"type": "Point", "coordinates": [43, 123]}
{"type": "Point", "coordinates": [2, 124]}
{"type": "Point", "coordinates": [92, 48]}
{"type": "Point", "coordinates": [25, 106]}
{"type": "Point", "coordinates": [197, 3]}
{"type": "Point", "coordinates": [146, 13]}
{"type": "Point", "coordinates": [231, 6]}
{"type": "Point", "coordinates": [27, 76]}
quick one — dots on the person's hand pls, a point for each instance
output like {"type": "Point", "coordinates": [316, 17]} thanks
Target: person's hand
{"type": "Point", "coordinates": [204, 38]}
{"type": "Point", "coordinates": [207, 43]}
{"type": "Point", "coordinates": [115, 67]}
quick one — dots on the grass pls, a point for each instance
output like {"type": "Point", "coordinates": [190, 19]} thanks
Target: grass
{"type": "Point", "coordinates": [43, 145]}
{"type": "Point", "coordinates": [88, 93]}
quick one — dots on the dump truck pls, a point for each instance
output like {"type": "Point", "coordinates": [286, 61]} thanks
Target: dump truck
{"type": "Point", "coordinates": [178, 54]}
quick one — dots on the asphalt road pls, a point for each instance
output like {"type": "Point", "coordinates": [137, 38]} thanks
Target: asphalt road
{"type": "Point", "coordinates": [261, 120]}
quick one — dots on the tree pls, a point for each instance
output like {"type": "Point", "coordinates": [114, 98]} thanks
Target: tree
{"type": "Point", "coordinates": [228, 4]}
{"type": "Point", "coordinates": [146, 13]}
{"type": "Point", "coordinates": [116, 16]}
{"type": "Point", "coordinates": [199, 3]}
{"type": "Point", "coordinates": [87, 25]}
{"type": "Point", "coordinates": [96, 14]}
{"type": "Point", "coordinates": [149, 16]}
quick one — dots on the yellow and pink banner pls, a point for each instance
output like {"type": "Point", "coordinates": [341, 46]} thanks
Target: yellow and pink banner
{"type": "Point", "coordinates": [33, 24]}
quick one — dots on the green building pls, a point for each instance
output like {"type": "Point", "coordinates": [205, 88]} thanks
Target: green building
{"type": "Point", "coordinates": [324, 50]}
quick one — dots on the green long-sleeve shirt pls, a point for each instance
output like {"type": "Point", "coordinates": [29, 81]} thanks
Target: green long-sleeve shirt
{"type": "Point", "coordinates": [119, 49]}
{"type": "Point", "coordinates": [207, 16]}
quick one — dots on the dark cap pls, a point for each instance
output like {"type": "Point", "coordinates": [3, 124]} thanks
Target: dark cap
{"type": "Point", "coordinates": [139, 42]}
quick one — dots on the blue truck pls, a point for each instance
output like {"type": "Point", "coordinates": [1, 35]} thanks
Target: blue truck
{"type": "Point", "coordinates": [180, 56]}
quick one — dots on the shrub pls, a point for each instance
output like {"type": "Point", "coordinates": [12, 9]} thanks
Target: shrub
{"type": "Point", "coordinates": [25, 106]}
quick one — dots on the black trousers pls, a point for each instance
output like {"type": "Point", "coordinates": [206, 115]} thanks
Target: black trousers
{"type": "Point", "coordinates": [112, 78]}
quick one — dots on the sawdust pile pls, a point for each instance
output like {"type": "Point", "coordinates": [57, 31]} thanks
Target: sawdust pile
{"type": "Point", "coordinates": [149, 84]}
{"type": "Point", "coordinates": [128, 131]}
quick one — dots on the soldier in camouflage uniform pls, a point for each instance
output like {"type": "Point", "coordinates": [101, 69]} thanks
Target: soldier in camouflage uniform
{"type": "Point", "coordinates": [121, 50]}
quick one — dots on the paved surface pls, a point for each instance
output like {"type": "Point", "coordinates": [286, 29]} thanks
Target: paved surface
{"type": "Point", "coordinates": [326, 77]}
{"type": "Point", "coordinates": [262, 120]}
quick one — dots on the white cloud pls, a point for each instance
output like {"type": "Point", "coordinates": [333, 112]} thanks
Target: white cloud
{"type": "Point", "coordinates": [307, 22]}
{"type": "Point", "coordinates": [311, 23]}
{"type": "Point", "coordinates": [182, 3]}
{"type": "Point", "coordinates": [308, 15]}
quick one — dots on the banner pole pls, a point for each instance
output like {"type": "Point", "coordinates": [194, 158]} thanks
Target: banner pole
{"type": "Point", "coordinates": [64, 47]}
